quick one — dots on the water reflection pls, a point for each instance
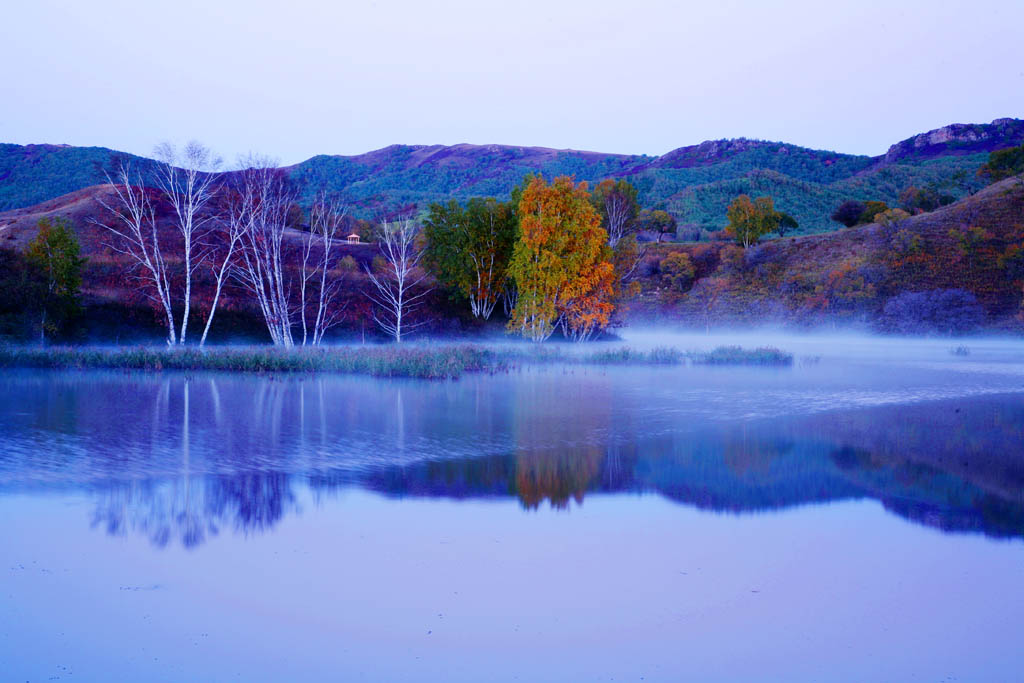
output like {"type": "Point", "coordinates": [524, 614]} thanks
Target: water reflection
{"type": "Point", "coordinates": [192, 509]}
{"type": "Point", "coordinates": [181, 459]}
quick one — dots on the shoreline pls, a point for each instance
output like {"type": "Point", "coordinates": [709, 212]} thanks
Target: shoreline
{"type": "Point", "coordinates": [419, 361]}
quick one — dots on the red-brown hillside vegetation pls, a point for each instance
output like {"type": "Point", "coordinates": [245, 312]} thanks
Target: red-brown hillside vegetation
{"type": "Point", "coordinates": [852, 274]}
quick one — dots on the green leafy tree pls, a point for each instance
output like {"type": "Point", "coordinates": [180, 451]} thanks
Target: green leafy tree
{"type": "Point", "coordinates": [444, 232]}
{"type": "Point", "coordinates": [16, 289]}
{"type": "Point", "coordinates": [657, 221]}
{"type": "Point", "coordinates": [53, 257]}
{"type": "Point", "coordinates": [1003, 163]}
{"type": "Point", "coordinates": [786, 223]}
{"type": "Point", "coordinates": [468, 249]}
{"type": "Point", "coordinates": [749, 220]}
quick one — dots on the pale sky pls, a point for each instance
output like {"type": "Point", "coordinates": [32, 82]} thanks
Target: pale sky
{"type": "Point", "coordinates": [296, 78]}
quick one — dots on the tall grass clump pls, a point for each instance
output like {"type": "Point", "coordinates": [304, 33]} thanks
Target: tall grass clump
{"type": "Point", "coordinates": [736, 355]}
{"type": "Point", "coordinates": [627, 356]}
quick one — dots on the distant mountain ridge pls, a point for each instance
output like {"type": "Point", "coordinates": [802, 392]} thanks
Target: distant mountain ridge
{"type": "Point", "coordinates": [695, 182]}
{"type": "Point", "coordinates": [959, 139]}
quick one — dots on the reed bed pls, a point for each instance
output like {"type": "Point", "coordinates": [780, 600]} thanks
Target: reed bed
{"type": "Point", "coordinates": [413, 361]}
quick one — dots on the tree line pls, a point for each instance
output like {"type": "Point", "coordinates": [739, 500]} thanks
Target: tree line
{"type": "Point", "coordinates": [557, 256]}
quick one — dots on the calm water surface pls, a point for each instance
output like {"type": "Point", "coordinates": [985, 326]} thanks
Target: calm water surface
{"type": "Point", "coordinates": [856, 517]}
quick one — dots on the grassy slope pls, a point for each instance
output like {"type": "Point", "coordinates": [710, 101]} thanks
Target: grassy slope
{"type": "Point", "coordinates": [849, 274]}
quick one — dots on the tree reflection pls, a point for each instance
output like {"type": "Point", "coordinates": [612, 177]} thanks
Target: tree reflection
{"type": "Point", "coordinates": [192, 510]}
{"type": "Point", "coordinates": [556, 476]}
{"type": "Point", "coordinates": [189, 458]}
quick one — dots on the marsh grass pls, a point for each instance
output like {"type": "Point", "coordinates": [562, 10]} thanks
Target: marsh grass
{"type": "Point", "coordinates": [420, 362]}
{"type": "Point", "coordinates": [735, 355]}
{"type": "Point", "coordinates": [417, 362]}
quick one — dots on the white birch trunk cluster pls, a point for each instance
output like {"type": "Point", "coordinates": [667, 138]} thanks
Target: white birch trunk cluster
{"type": "Point", "coordinates": [261, 209]}
{"type": "Point", "coordinates": [398, 290]}
{"type": "Point", "coordinates": [237, 226]}
{"type": "Point", "coordinates": [325, 223]}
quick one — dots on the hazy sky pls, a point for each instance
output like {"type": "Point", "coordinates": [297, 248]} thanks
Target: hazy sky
{"type": "Point", "coordinates": [298, 78]}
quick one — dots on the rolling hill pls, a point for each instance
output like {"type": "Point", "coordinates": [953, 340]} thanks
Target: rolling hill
{"type": "Point", "coordinates": [695, 183]}
{"type": "Point", "coordinates": [962, 254]}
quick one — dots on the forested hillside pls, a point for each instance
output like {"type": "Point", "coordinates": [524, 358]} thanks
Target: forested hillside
{"type": "Point", "coordinates": [694, 183]}
{"type": "Point", "coordinates": [30, 174]}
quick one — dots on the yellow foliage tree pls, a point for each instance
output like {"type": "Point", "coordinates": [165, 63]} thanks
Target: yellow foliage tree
{"type": "Point", "coordinates": [561, 264]}
{"type": "Point", "coordinates": [750, 219]}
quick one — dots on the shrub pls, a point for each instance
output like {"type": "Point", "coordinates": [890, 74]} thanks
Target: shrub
{"type": "Point", "coordinates": [891, 219]}
{"type": "Point", "coordinates": [923, 199]}
{"type": "Point", "coordinates": [677, 271]}
{"type": "Point", "coordinates": [944, 311]}
{"type": "Point", "coordinates": [871, 211]}
{"type": "Point", "coordinates": [732, 259]}
{"type": "Point", "coordinates": [756, 256]}
{"type": "Point", "coordinates": [705, 259]}
{"type": "Point", "coordinates": [848, 213]}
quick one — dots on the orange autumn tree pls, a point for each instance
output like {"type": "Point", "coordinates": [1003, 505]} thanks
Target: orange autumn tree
{"type": "Point", "coordinates": [561, 264]}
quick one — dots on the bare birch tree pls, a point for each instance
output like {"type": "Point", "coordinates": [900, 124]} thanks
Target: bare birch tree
{"type": "Point", "coordinates": [395, 290]}
{"type": "Point", "coordinates": [224, 245]}
{"type": "Point", "coordinates": [133, 223]}
{"type": "Point", "coordinates": [188, 181]}
{"type": "Point", "coordinates": [264, 197]}
{"type": "Point", "coordinates": [616, 201]}
{"type": "Point", "coordinates": [325, 222]}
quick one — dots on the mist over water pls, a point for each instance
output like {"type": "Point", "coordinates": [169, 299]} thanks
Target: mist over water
{"type": "Point", "coordinates": [867, 499]}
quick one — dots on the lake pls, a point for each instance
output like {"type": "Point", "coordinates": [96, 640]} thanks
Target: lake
{"type": "Point", "coordinates": [858, 516]}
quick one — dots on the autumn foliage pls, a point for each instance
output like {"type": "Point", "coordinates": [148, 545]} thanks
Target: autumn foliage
{"type": "Point", "coordinates": [561, 264]}
{"type": "Point", "coordinates": [749, 220]}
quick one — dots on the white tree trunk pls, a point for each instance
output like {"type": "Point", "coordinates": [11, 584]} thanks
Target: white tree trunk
{"type": "Point", "coordinates": [394, 289]}
{"type": "Point", "coordinates": [188, 182]}
{"type": "Point", "coordinates": [260, 207]}
{"type": "Point", "coordinates": [133, 223]}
